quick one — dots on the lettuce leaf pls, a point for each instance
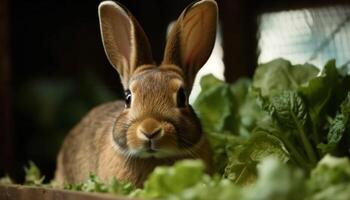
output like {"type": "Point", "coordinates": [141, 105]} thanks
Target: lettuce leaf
{"type": "Point", "coordinates": [280, 75]}
{"type": "Point", "coordinates": [33, 175]}
{"type": "Point", "coordinates": [94, 184]}
{"type": "Point", "coordinates": [330, 179]}
{"type": "Point", "coordinates": [338, 137]}
{"type": "Point", "coordinates": [226, 108]}
{"type": "Point", "coordinates": [223, 145]}
{"type": "Point", "coordinates": [274, 181]}
{"type": "Point", "coordinates": [216, 106]}
{"type": "Point", "coordinates": [166, 181]}
{"type": "Point", "coordinates": [319, 90]}
{"type": "Point", "coordinates": [277, 181]}
{"type": "Point", "coordinates": [241, 168]}
{"type": "Point", "coordinates": [341, 123]}
{"type": "Point", "coordinates": [249, 111]}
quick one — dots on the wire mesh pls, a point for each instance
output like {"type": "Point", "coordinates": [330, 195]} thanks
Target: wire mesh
{"type": "Point", "coordinates": [312, 35]}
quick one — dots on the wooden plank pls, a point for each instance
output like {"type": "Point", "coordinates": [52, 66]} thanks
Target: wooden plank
{"type": "Point", "coordinates": [19, 192]}
{"type": "Point", "coordinates": [239, 27]}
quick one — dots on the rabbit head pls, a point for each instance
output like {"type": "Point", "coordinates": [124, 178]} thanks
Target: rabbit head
{"type": "Point", "coordinates": [157, 120]}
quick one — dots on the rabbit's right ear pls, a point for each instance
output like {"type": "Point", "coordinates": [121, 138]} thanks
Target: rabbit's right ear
{"type": "Point", "coordinates": [124, 41]}
{"type": "Point", "coordinates": [192, 39]}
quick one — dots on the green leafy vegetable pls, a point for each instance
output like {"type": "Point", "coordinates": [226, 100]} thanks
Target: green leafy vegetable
{"type": "Point", "coordinates": [173, 180]}
{"type": "Point", "coordinates": [341, 123]}
{"type": "Point", "coordinates": [223, 145]}
{"type": "Point", "coordinates": [33, 175]}
{"type": "Point", "coordinates": [330, 179]}
{"type": "Point", "coordinates": [276, 181]}
{"type": "Point", "coordinates": [299, 119]}
{"type": "Point", "coordinates": [219, 96]}
{"type": "Point", "coordinates": [93, 184]}
{"type": "Point", "coordinates": [289, 111]}
{"type": "Point", "coordinates": [319, 89]}
{"type": "Point", "coordinates": [339, 126]}
{"type": "Point", "coordinates": [280, 75]}
{"type": "Point", "coordinates": [242, 165]}
{"type": "Point", "coordinates": [317, 94]}
{"type": "Point", "coordinates": [249, 111]}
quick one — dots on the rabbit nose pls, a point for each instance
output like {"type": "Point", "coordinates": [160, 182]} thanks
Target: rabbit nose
{"type": "Point", "coordinates": [149, 129]}
{"type": "Point", "coordinates": [152, 135]}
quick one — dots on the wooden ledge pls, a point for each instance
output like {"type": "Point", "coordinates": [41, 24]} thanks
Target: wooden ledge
{"type": "Point", "coordinates": [20, 192]}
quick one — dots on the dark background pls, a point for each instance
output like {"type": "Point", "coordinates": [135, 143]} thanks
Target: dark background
{"type": "Point", "coordinates": [53, 68]}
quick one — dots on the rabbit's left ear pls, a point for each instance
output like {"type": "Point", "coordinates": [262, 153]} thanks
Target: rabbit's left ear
{"type": "Point", "coordinates": [192, 39]}
{"type": "Point", "coordinates": [125, 42]}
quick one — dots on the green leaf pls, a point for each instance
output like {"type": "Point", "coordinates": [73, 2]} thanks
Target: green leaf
{"type": "Point", "coordinates": [164, 181]}
{"type": "Point", "coordinates": [94, 184]}
{"type": "Point", "coordinates": [33, 175]}
{"type": "Point", "coordinates": [288, 110]}
{"type": "Point", "coordinates": [216, 106]}
{"type": "Point", "coordinates": [240, 90]}
{"type": "Point", "coordinates": [250, 112]}
{"type": "Point", "coordinates": [318, 92]}
{"type": "Point", "coordinates": [279, 75]}
{"type": "Point", "coordinates": [222, 145]}
{"type": "Point", "coordinates": [209, 81]}
{"type": "Point", "coordinates": [326, 148]}
{"type": "Point", "coordinates": [241, 168]}
{"type": "Point", "coordinates": [341, 123]}
{"type": "Point", "coordinates": [329, 179]}
{"type": "Point", "coordinates": [277, 181]}
{"type": "Point", "coordinates": [345, 107]}
{"type": "Point", "coordinates": [209, 189]}
{"type": "Point", "coordinates": [263, 145]}
{"type": "Point", "coordinates": [186, 181]}
{"type": "Point", "coordinates": [241, 172]}
{"type": "Point", "coordinates": [338, 127]}
{"type": "Point", "coordinates": [117, 187]}
{"type": "Point", "coordinates": [336, 192]}
{"type": "Point", "coordinates": [75, 187]}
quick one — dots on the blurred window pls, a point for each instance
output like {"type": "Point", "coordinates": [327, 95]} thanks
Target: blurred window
{"type": "Point", "coordinates": [308, 35]}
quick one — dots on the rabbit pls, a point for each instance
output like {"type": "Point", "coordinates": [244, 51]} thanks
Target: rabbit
{"type": "Point", "coordinates": [154, 125]}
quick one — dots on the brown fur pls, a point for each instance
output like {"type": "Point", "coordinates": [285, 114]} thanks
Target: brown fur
{"type": "Point", "coordinates": [128, 141]}
{"type": "Point", "coordinates": [94, 151]}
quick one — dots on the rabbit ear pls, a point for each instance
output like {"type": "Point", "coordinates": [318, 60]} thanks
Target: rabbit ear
{"type": "Point", "coordinates": [192, 39]}
{"type": "Point", "coordinates": [125, 42]}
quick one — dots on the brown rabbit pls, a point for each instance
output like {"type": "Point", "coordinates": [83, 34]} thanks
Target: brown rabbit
{"type": "Point", "coordinates": [155, 125]}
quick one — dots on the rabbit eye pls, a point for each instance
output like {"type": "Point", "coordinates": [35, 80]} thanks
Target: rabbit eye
{"type": "Point", "coordinates": [127, 98]}
{"type": "Point", "coordinates": [181, 98]}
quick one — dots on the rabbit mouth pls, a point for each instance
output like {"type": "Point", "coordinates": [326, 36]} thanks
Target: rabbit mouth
{"type": "Point", "coordinates": [153, 153]}
{"type": "Point", "coordinates": [152, 150]}
{"type": "Point", "coordinates": [151, 147]}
